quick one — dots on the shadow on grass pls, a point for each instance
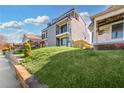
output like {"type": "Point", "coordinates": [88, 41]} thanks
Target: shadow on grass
{"type": "Point", "coordinates": [81, 69]}
{"type": "Point", "coordinates": [20, 55]}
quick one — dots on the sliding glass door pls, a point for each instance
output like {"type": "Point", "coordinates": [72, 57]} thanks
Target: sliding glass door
{"type": "Point", "coordinates": [62, 41]}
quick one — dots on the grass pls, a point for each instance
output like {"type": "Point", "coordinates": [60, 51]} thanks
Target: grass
{"type": "Point", "coordinates": [72, 67]}
{"type": "Point", "coordinates": [19, 54]}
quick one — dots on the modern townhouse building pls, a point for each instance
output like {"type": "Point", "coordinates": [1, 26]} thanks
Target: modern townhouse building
{"type": "Point", "coordinates": [108, 27]}
{"type": "Point", "coordinates": [66, 30]}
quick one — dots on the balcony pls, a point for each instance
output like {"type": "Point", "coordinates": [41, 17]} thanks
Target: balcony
{"type": "Point", "coordinates": [61, 32]}
{"type": "Point", "coordinates": [62, 29]}
{"type": "Point", "coordinates": [61, 35]}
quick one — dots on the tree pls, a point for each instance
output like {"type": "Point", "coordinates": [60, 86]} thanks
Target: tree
{"type": "Point", "coordinates": [27, 49]}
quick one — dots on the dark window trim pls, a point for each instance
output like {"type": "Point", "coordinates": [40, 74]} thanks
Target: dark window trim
{"type": "Point", "coordinates": [117, 31]}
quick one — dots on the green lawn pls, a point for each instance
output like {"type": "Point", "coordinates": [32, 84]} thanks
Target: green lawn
{"type": "Point", "coordinates": [19, 54]}
{"type": "Point", "coordinates": [72, 67]}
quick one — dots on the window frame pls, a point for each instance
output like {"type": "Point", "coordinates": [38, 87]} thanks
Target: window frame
{"type": "Point", "coordinates": [63, 28]}
{"type": "Point", "coordinates": [117, 32]}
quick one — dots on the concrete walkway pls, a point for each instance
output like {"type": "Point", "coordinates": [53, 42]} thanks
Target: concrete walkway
{"type": "Point", "coordinates": [7, 74]}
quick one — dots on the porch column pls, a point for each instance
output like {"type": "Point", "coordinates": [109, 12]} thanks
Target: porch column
{"type": "Point", "coordinates": [94, 32]}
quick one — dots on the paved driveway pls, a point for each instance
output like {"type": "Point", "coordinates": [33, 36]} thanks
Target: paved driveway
{"type": "Point", "coordinates": [7, 74]}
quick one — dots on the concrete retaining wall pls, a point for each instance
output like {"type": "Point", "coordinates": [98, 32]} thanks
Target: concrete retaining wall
{"type": "Point", "coordinates": [26, 79]}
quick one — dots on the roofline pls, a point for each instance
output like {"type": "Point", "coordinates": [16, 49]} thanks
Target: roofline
{"type": "Point", "coordinates": [104, 12]}
{"type": "Point", "coordinates": [73, 9]}
{"type": "Point", "coordinates": [31, 34]}
{"type": "Point", "coordinates": [63, 15]}
{"type": "Point", "coordinates": [43, 30]}
{"type": "Point", "coordinates": [25, 35]}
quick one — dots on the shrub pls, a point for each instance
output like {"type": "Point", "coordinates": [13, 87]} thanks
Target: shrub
{"type": "Point", "coordinates": [27, 49]}
{"type": "Point", "coordinates": [119, 45]}
{"type": "Point", "coordinates": [114, 46]}
{"type": "Point", "coordinates": [4, 50]}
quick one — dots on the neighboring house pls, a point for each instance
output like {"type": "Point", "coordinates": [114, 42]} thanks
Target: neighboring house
{"type": "Point", "coordinates": [34, 40]}
{"type": "Point", "coordinates": [108, 27]}
{"type": "Point", "coordinates": [18, 45]}
{"type": "Point", "coordinates": [65, 31]}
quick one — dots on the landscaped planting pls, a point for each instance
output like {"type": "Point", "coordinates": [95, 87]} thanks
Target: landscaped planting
{"type": "Point", "coordinates": [72, 67]}
{"type": "Point", "coordinates": [27, 49]}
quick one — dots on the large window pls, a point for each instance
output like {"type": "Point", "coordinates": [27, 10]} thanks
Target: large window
{"type": "Point", "coordinates": [117, 30]}
{"type": "Point", "coordinates": [64, 28]}
{"type": "Point", "coordinates": [64, 41]}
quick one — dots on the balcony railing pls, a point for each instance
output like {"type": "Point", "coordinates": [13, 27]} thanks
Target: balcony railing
{"type": "Point", "coordinates": [60, 32]}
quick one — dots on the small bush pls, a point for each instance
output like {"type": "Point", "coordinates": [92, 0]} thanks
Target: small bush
{"type": "Point", "coordinates": [114, 46]}
{"type": "Point", "coordinates": [27, 49]}
{"type": "Point", "coordinates": [4, 50]}
{"type": "Point", "coordinates": [119, 45]}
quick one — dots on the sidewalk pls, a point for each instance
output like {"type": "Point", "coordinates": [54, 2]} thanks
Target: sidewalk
{"type": "Point", "coordinates": [7, 74]}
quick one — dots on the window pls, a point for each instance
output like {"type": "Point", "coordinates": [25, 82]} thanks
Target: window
{"type": "Point", "coordinates": [44, 36]}
{"type": "Point", "coordinates": [57, 29]}
{"type": "Point", "coordinates": [117, 30]}
{"type": "Point", "coordinates": [64, 41]}
{"type": "Point", "coordinates": [64, 28]}
{"type": "Point", "coordinates": [57, 32]}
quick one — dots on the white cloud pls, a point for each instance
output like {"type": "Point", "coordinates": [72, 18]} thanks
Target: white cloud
{"type": "Point", "coordinates": [84, 14]}
{"type": "Point", "coordinates": [16, 36]}
{"type": "Point", "coordinates": [86, 17]}
{"type": "Point", "coordinates": [37, 21]}
{"type": "Point", "coordinates": [20, 30]}
{"type": "Point", "coordinates": [11, 24]}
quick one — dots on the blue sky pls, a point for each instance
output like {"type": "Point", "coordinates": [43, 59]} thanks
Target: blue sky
{"type": "Point", "coordinates": [17, 20]}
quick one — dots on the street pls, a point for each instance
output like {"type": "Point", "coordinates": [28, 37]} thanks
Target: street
{"type": "Point", "coordinates": [7, 74]}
